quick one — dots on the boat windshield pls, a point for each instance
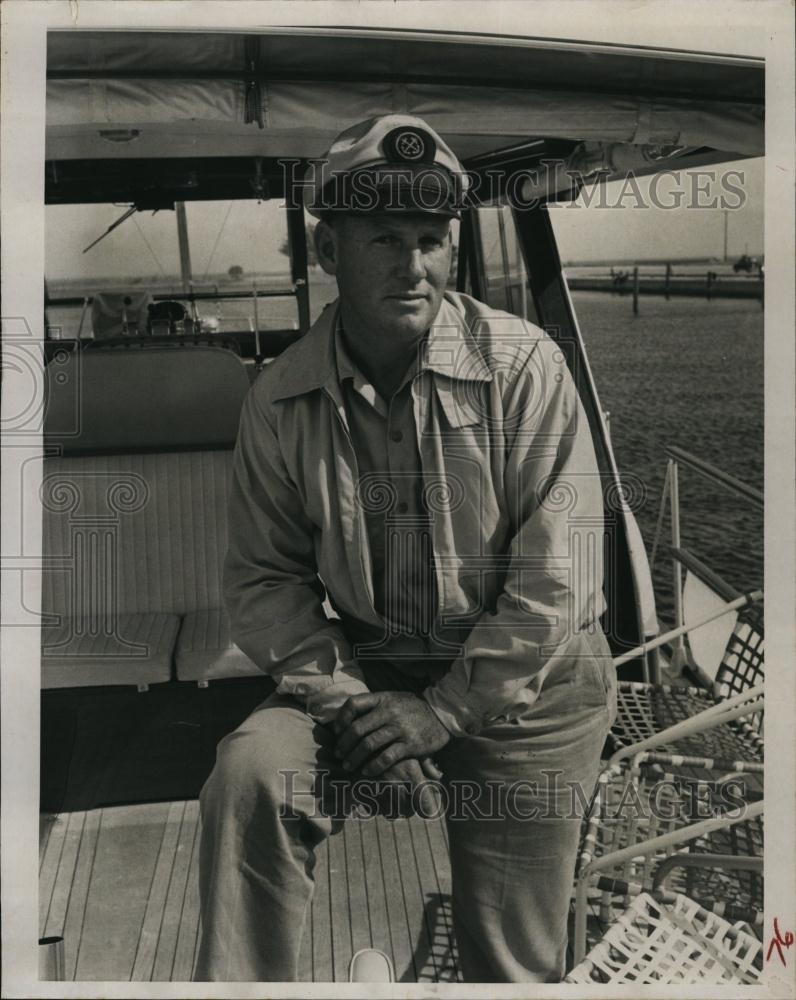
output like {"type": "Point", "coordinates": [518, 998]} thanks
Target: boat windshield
{"type": "Point", "coordinates": [218, 254]}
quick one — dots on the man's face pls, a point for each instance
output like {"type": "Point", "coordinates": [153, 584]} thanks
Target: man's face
{"type": "Point", "coordinates": [391, 270]}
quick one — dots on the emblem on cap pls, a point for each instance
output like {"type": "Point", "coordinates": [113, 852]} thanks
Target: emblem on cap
{"type": "Point", "coordinates": [410, 145]}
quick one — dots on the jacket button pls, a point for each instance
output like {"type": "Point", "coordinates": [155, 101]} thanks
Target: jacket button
{"type": "Point", "coordinates": [471, 728]}
{"type": "Point", "coordinates": [397, 437]}
{"type": "Point", "coordinates": [403, 507]}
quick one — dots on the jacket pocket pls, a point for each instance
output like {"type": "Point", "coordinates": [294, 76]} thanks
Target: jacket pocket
{"type": "Point", "coordinates": [595, 673]}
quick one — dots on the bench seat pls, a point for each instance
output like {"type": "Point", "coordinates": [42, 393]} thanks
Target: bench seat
{"type": "Point", "coordinates": [137, 651]}
{"type": "Point", "coordinates": [205, 651]}
{"type": "Point", "coordinates": [134, 497]}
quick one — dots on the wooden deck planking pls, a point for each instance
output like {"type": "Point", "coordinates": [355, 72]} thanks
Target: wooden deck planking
{"type": "Point", "coordinates": [51, 859]}
{"type": "Point", "coordinates": [321, 919]}
{"type": "Point", "coordinates": [340, 909]}
{"type": "Point", "coordinates": [125, 862]}
{"type": "Point", "coordinates": [359, 905]}
{"type": "Point", "coordinates": [375, 889]}
{"type": "Point", "coordinates": [306, 952]}
{"type": "Point", "coordinates": [53, 920]}
{"type": "Point", "coordinates": [154, 925]}
{"type": "Point", "coordinates": [436, 835]}
{"type": "Point", "coordinates": [174, 906]}
{"type": "Point", "coordinates": [121, 885]}
{"type": "Point", "coordinates": [76, 892]}
{"type": "Point", "coordinates": [441, 965]}
{"type": "Point", "coordinates": [397, 919]}
{"type": "Point", "coordinates": [184, 957]}
{"type": "Point", "coordinates": [423, 957]}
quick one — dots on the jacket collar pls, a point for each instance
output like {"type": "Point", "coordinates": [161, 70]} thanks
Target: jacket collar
{"type": "Point", "coordinates": [450, 350]}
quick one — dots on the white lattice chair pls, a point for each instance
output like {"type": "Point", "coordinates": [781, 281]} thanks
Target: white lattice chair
{"type": "Point", "coordinates": [674, 941]}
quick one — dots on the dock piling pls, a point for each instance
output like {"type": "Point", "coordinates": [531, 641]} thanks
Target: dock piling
{"type": "Point", "coordinates": [635, 290]}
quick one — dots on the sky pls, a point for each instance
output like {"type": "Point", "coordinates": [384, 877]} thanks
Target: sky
{"type": "Point", "coordinates": [619, 224]}
{"type": "Point", "coordinates": [624, 224]}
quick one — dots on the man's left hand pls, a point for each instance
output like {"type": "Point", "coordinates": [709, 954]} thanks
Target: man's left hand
{"type": "Point", "coordinates": [379, 729]}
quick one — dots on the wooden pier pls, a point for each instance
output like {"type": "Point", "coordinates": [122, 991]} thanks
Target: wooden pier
{"type": "Point", "coordinates": [706, 286]}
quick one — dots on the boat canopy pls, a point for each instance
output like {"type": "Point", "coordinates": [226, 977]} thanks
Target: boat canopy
{"type": "Point", "coordinates": [288, 92]}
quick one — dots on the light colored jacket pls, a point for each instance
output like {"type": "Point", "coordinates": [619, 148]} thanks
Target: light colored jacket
{"type": "Point", "coordinates": [510, 470]}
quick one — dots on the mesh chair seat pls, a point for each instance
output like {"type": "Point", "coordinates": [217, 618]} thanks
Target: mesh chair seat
{"type": "Point", "coordinates": [736, 892]}
{"type": "Point", "coordinates": [657, 796]}
{"type": "Point", "coordinates": [677, 941]}
{"type": "Point", "coordinates": [643, 710]}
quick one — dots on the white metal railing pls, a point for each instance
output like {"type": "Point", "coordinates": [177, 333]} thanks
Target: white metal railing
{"type": "Point", "coordinates": [671, 491]}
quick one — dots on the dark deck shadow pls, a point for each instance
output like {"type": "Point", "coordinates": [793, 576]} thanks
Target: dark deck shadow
{"type": "Point", "coordinates": [116, 746]}
{"type": "Point", "coordinates": [434, 958]}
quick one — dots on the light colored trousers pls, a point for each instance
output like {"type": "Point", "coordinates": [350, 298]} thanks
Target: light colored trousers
{"type": "Point", "coordinates": [513, 847]}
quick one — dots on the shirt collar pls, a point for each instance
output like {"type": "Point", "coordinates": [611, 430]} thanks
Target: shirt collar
{"type": "Point", "coordinates": [346, 366]}
{"type": "Point", "coordinates": [347, 369]}
{"type": "Point", "coordinates": [450, 350]}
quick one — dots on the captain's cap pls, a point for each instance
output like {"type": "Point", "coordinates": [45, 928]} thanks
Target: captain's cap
{"type": "Point", "coordinates": [391, 163]}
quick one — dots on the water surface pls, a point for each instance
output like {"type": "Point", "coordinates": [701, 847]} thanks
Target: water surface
{"type": "Point", "coordinates": [686, 372]}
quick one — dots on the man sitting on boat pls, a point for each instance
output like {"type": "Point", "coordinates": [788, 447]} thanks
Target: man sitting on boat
{"type": "Point", "coordinates": [423, 461]}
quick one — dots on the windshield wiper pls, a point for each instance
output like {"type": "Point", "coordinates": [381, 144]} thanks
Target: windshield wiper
{"type": "Point", "coordinates": [130, 211]}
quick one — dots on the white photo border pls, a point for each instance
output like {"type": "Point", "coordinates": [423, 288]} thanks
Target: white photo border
{"type": "Point", "coordinates": [670, 24]}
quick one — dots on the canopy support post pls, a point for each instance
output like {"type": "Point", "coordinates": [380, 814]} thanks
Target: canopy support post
{"type": "Point", "coordinates": [185, 250]}
{"type": "Point", "coordinates": [297, 243]}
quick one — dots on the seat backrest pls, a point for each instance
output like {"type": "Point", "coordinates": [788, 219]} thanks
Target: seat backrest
{"type": "Point", "coordinates": [134, 493]}
{"type": "Point", "coordinates": [727, 652]}
{"type": "Point", "coordinates": [707, 643]}
{"type": "Point", "coordinates": [743, 663]}
{"type": "Point", "coordinates": [134, 532]}
{"type": "Point", "coordinates": [160, 398]}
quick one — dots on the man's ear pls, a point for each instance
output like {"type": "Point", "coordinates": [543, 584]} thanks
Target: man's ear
{"type": "Point", "coordinates": [326, 247]}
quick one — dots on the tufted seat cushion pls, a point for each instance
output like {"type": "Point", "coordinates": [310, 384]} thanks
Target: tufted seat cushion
{"type": "Point", "coordinates": [137, 649]}
{"type": "Point", "coordinates": [205, 651]}
{"type": "Point", "coordinates": [134, 495]}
